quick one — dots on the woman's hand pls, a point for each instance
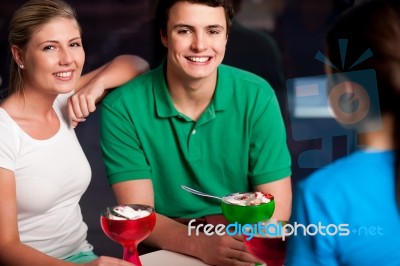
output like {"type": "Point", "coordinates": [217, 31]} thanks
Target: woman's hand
{"type": "Point", "coordinates": [108, 261]}
{"type": "Point", "coordinates": [92, 87]}
{"type": "Point", "coordinates": [83, 102]}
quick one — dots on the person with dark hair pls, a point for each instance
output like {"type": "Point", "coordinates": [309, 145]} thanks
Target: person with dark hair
{"type": "Point", "coordinates": [196, 122]}
{"type": "Point", "coordinates": [355, 201]}
{"type": "Point", "coordinates": [43, 170]}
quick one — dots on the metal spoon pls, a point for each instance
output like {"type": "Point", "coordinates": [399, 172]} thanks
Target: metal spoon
{"type": "Point", "coordinates": [199, 193]}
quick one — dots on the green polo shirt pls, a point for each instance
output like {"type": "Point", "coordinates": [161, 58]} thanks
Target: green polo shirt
{"type": "Point", "coordinates": [238, 142]}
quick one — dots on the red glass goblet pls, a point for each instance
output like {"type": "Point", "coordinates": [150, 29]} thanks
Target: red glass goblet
{"type": "Point", "coordinates": [269, 245]}
{"type": "Point", "coordinates": [128, 230]}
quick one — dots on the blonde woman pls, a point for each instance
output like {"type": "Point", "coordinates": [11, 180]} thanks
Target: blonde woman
{"type": "Point", "coordinates": [43, 170]}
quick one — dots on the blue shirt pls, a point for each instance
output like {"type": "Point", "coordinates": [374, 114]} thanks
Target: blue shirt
{"type": "Point", "coordinates": [353, 202]}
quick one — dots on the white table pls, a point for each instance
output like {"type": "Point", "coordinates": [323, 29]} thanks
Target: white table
{"type": "Point", "coordinates": [164, 257]}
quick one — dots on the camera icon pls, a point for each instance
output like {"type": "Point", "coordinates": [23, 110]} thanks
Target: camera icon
{"type": "Point", "coordinates": [333, 105]}
{"type": "Point", "coordinates": [354, 101]}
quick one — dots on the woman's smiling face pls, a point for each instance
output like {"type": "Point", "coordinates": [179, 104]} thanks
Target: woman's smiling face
{"type": "Point", "coordinates": [54, 57]}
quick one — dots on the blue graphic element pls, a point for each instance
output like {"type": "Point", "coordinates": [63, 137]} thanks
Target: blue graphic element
{"type": "Point", "coordinates": [367, 54]}
{"type": "Point", "coordinates": [343, 49]}
{"type": "Point", "coordinates": [321, 57]}
{"type": "Point", "coordinates": [328, 106]}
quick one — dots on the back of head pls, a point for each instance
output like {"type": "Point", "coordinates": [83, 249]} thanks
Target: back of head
{"type": "Point", "coordinates": [27, 20]}
{"type": "Point", "coordinates": [164, 6]}
{"type": "Point", "coordinates": [373, 25]}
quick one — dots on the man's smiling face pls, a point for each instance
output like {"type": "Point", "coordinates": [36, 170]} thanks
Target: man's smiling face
{"type": "Point", "coordinates": [196, 39]}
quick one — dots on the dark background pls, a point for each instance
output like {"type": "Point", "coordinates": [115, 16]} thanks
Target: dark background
{"type": "Point", "coordinates": [113, 27]}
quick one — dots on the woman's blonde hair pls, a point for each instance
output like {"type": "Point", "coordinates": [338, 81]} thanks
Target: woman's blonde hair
{"type": "Point", "coordinates": [29, 18]}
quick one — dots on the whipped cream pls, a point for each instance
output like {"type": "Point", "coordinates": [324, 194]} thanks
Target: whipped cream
{"type": "Point", "coordinates": [248, 199]}
{"type": "Point", "coordinates": [126, 213]}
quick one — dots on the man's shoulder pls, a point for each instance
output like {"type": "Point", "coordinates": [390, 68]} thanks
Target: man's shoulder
{"type": "Point", "coordinates": [137, 86]}
{"type": "Point", "coordinates": [243, 80]}
{"type": "Point", "coordinates": [144, 79]}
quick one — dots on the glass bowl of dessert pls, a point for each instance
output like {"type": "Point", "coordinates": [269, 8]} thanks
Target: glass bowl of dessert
{"type": "Point", "coordinates": [128, 225]}
{"type": "Point", "coordinates": [248, 207]}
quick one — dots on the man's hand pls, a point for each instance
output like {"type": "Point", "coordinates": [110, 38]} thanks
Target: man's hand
{"type": "Point", "coordinates": [225, 251]}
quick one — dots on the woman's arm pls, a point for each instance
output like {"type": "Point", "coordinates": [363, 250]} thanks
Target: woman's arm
{"type": "Point", "coordinates": [92, 87]}
{"type": "Point", "coordinates": [15, 253]}
{"type": "Point", "coordinates": [12, 251]}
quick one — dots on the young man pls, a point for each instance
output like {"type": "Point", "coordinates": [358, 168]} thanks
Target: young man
{"type": "Point", "coordinates": [195, 122]}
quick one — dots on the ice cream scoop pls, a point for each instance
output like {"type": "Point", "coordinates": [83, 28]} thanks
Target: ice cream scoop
{"type": "Point", "coordinates": [125, 212]}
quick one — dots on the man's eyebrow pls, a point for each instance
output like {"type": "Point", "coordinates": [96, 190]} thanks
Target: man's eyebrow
{"type": "Point", "coordinates": [75, 39]}
{"type": "Point", "coordinates": [214, 26]}
{"type": "Point", "coordinates": [183, 26]}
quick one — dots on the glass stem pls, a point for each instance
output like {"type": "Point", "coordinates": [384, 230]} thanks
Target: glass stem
{"type": "Point", "coordinates": [131, 254]}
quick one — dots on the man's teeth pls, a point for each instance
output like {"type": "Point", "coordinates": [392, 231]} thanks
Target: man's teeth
{"type": "Point", "coordinates": [63, 74]}
{"type": "Point", "coordinates": [199, 59]}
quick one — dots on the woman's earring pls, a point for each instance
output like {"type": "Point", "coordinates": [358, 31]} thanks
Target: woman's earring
{"type": "Point", "coordinates": [21, 66]}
